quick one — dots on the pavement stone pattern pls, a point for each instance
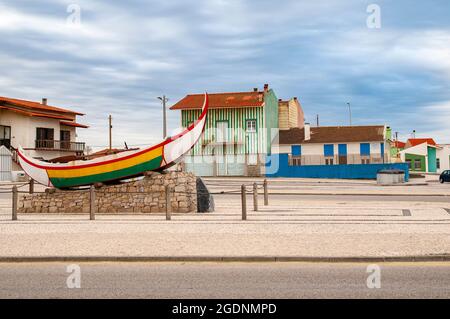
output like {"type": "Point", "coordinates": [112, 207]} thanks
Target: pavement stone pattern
{"type": "Point", "coordinates": [290, 226]}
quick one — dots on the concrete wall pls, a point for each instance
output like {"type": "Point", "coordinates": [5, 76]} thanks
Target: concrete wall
{"type": "Point", "coordinates": [350, 171]}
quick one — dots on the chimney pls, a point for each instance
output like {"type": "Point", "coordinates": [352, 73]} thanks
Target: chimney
{"type": "Point", "coordinates": [255, 89]}
{"type": "Point", "coordinates": [307, 131]}
{"type": "Point", "coordinates": [266, 87]}
{"type": "Point", "coordinates": [44, 101]}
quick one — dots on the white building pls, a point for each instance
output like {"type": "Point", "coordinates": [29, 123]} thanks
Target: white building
{"type": "Point", "coordinates": [44, 131]}
{"type": "Point", "coordinates": [333, 145]}
{"type": "Point", "coordinates": [443, 158]}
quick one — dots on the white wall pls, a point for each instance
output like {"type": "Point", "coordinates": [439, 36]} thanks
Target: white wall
{"type": "Point", "coordinates": [444, 157]}
{"type": "Point", "coordinates": [317, 148]}
{"type": "Point", "coordinates": [23, 131]}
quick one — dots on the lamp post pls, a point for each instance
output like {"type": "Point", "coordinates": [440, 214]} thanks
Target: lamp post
{"type": "Point", "coordinates": [350, 113]}
{"type": "Point", "coordinates": [164, 100]}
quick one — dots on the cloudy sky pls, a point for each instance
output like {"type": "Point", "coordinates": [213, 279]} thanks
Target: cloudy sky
{"type": "Point", "coordinates": [121, 55]}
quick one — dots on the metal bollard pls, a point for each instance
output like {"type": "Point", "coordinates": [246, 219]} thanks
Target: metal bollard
{"type": "Point", "coordinates": [15, 198]}
{"type": "Point", "coordinates": [31, 191]}
{"type": "Point", "coordinates": [266, 193]}
{"type": "Point", "coordinates": [255, 197]}
{"type": "Point", "coordinates": [168, 205]}
{"type": "Point", "coordinates": [244, 202]}
{"type": "Point", "coordinates": [92, 203]}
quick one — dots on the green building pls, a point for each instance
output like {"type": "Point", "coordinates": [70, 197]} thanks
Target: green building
{"type": "Point", "coordinates": [238, 134]}
{"type": "Point", "coordinates": [421, 155]}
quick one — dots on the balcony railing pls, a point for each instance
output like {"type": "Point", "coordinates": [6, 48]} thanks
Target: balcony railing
{"type": "Point", "coordinates": [52, 145]}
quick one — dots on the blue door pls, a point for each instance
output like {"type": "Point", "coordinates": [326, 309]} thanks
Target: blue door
{"type": "Point", "coordinates": [342, 151]}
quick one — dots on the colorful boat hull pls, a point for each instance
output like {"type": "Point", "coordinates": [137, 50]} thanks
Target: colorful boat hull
{"type": "Point", "coordinates": [118, 166]}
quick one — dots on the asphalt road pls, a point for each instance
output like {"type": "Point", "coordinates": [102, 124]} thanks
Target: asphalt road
{"type": "Point", "coordinates": [224, 280]}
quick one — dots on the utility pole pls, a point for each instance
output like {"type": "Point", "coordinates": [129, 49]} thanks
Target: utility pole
{"type": "Point", "coordinates": [110, 132]}
{"type": "Point", "coordinates": [317, 119]}
{"type": "Point", "coordinates": [350, 113]}
{"type": "Point", "coordinates": [164, 100]}
{"type": "Point", "coordinates": [396, 145]}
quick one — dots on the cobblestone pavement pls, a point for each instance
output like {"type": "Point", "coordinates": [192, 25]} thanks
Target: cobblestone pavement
{"type": "Point", "coordinates": [337, 226]}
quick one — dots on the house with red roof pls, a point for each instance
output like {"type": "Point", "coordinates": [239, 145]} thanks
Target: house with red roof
{"type": "Point", "coordinates": [421, 155]}
{"type": "Point", "coordinates": [43, 130]}
{"type": "Point", "coordinates": [239, 130]}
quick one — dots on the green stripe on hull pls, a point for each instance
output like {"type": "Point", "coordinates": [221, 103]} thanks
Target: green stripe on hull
{"type": "Point", "coordinates": [110, 176]}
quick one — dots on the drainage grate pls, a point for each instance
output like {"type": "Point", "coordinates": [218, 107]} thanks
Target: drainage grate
{"type": "Point", "coordinates": [406, 212]}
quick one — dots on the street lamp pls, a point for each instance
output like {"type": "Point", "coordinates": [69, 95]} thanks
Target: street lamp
{"type": "Point", "coordinates": [350, 113]}
{"type": "Point", "coordinates": [164, 100]}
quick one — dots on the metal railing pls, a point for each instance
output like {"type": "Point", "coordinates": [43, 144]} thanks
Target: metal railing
{"type": "Point", "coordinates": [298, 160]}
{"type": "Point", "coordinates": [59, 145]}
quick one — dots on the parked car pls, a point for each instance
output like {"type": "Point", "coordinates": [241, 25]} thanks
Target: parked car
{"type": "Point", "coordinates": [445, 177]}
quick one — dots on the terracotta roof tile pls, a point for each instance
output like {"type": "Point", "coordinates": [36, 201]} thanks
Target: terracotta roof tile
{"type": "Point", "coordinates": [221, 100]}
{"type": "Point", "coordinates": [73, 124]}
{"type": "Point", "coordinates": [399, 144]}
{"type": "Point", "coordinates": [36, 106]}
{"type": "Point", "coordinates": [333, 134]}
{"type": "Point", "coordinates": [418, 141]}
{"type": "Point", "coordinates": [36, 114]}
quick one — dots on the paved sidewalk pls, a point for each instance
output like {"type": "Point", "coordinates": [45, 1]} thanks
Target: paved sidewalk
{"type": "Point", "coordinates": [417, 187]}
{"type": "Point", "coordinates": [287, 228]}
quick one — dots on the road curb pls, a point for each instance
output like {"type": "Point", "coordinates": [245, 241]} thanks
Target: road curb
{"type": "Point", "coordinates": [362, 259]}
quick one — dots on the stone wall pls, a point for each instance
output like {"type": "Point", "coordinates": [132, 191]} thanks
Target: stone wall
{"type": "Point", "coordinates": [144, 196]}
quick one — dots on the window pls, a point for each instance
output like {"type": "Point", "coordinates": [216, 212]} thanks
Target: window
{"type": "Point", "coordinates": [296, 150]}
{"type": "Point", "coordinates": [65, 139]}
{"type": "Point", "coordinates": [329, 161]}
{"type": "Point", "coordinates": [408, 161]}
{"type": "Point", "coordinates": [222, 131]}
{"type": "Point", "coordinates": [417, 164]}
{"type": "Point", "coordinates": [365, 160]}
{"type": "Point", "coordinates": [5, 136]}
{"type": "Point", "coordinates": [364, 149]}
{"type": "Point", "coordinates": [45, 138]}
{"type": "Point", "coordinates": [328, 150]}
{"type": "Point", "coordinates": [45, 134]}
{"type": "Point", "coordinates": [438, 163]}
{"type": "Point", "coordinates": [251, 126]}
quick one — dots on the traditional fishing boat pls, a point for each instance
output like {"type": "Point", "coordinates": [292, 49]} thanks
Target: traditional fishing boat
{"type": "Point", "coordinates": [116, 167]}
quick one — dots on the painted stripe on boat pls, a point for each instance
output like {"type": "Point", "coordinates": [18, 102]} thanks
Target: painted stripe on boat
{"type": "Point", "coordinates": [109, 176]}
{"type": "Point", "coordinates": [106, 168]}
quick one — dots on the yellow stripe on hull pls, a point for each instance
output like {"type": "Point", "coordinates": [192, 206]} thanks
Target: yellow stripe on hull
{"type": "Point", "coordinates": [106, 168]}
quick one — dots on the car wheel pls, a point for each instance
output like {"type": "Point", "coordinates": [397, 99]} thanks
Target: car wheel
{"type": "Point", "coordinates": [441, 180]}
